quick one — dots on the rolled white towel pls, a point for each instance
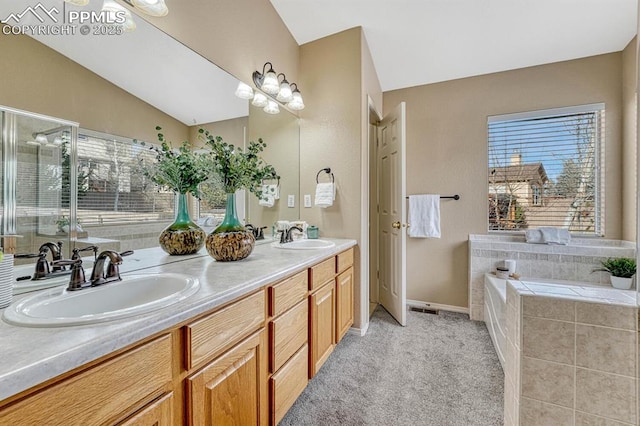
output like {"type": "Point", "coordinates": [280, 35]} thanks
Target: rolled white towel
{"type": "Point", "coordinates": [533, 236]}
{"type": "Point", "coordinates": [325, 194]}
{"type": "Point", "coordinates": [555, 236]}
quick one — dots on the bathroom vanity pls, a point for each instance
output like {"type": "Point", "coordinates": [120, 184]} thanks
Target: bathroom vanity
{"type": "Point", "coordinates": [240, 351]}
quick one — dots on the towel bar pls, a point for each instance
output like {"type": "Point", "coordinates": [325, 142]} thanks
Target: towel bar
{"type": "Point", "coordinates": [452, 197]}
{"type": "Point", "coordinates": [327, 170]}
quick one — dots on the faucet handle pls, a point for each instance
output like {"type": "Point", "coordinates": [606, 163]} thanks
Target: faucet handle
{"type": "Point", "coordinates": [76, 252]}
{"type": "Point", "coordinates": [26, 255]}
{"type": "Point", "coordinates": [78, 279]}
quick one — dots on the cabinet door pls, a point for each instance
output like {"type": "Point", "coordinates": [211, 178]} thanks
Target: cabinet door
{"type": "Point", "coordinates": [322, 326]}
{"type": "Point", "coordinates": [288, 383]}
{"type": "Point", "coordinates": [344, 303]}
{"type": "Point", "coordinates": [158, 413]}
{"type": "Point", "coordinates": [232, 389]}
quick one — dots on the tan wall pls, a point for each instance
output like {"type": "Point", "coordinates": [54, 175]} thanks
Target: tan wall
{"type": "Point", "coordinates": [281, 133]}
{"type": "Point", "coordinates": [331, 133]}
{"type": "Point", "coordinates": [38, 79]}
{"type": "Point", "coordinates": [231, 131]}
{"type": "Point", "coordinates": [237, 35]}
{"type": "Point", "coordinates": [629, 141]}
{"type": "Point", "coordinates": [447, 154]}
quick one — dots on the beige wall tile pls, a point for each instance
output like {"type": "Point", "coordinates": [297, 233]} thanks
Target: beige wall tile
{"type": "Point", "coordinates": [537, 413]}
{"type": "Point", "coordinates": [546, 307]}
{"type": "Point", "coordinates": [606, 395]}
{"type": "Point", "coordinates": [476, 312]}
{"type": "Point", "coordinates": [607, 315]}
{"type": "Point", "coordinates": [548, 339]}
{"type": "Point", "coordinates": [584, 419]}
{"type": "Point", "coordinates": [548, 381]}
{"type": "Point", "coordinates": [606, 349]}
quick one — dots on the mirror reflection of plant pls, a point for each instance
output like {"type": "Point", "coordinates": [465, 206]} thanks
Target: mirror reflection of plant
{"type": "Point", "coordinates": [178, 169]}
{"type": "Point", "coordinates": [238, 168]}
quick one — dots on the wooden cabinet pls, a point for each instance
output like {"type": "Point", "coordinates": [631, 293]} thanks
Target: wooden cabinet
{"type": "Point", "coordinates": [288, 349]}
{"type": "Point", "coordinates": [157, 413]}
{"type": "Point", "coordinates": [105, 394]}
{"type": "Point", "coordinates": [322, 341]}
{"type": "Point", "coordinates": [231, 390]}
{"type": "Point", "coordinates": [344, 303]}
{"type": "Point", "coordinates": [244, 363]}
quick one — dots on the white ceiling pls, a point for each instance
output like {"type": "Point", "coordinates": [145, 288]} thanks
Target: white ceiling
{"type": "Point", "coordinates": [415, 42]}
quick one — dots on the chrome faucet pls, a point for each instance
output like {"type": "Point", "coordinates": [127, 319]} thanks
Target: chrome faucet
{"type": "Point", "coordinates": [98, 275]}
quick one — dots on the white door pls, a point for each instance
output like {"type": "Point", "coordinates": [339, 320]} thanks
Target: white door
{"type": "Point", "coordinates": [392, 214]}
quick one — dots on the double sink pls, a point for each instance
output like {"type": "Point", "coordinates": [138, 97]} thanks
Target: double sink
{"type": "Point", "coordinates": [134, 295]}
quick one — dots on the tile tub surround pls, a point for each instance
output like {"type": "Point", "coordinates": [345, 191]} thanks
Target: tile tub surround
{"type": "Point", "coordinates": [573, 262]}
{"type": "Point", "coordinates": [63, 349]}
{"type": "Point", "coordinates": [570, 359]}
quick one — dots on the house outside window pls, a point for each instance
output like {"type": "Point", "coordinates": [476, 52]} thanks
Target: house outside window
{"type": "Point", "coordinates": [544, 170]}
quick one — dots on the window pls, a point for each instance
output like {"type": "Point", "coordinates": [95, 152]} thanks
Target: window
{"type": "Point", "coordinates": [544, 170]}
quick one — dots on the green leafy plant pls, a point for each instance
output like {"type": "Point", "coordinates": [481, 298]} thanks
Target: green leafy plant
{"type": "Point", "coordinates": [178, 169]}
{"type": "Point", "coordinates": [623, 267]}
{"type": "Point", "coordinates": [236, 167]}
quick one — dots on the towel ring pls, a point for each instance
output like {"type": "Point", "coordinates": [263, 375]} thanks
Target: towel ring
{"type": "Point", "coordinates": [327, 170]}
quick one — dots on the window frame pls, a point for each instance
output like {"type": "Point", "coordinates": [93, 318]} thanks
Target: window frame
{"type": "Point", "coordinates": [599, 160]}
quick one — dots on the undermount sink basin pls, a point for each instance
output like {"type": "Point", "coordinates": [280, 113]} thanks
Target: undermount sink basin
{"type": "Point", "coordinates": [135, 294]}
{"type": "Point", "coordinates": [305, 245]}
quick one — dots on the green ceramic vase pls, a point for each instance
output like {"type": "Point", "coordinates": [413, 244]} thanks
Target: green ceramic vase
{"type": "Point", "coordinates": [230, 240]}
{"type": "Point", "coordinates": [182, 236]}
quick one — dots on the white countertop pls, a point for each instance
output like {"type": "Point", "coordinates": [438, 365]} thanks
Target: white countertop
{"type": "Point", "coordinates": [29, 356]}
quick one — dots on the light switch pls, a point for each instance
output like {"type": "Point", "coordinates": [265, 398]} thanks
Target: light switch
{"type": "Point", "coordinates": [307, 200]}
{"type": "Point", "coordinates": [291, 200]}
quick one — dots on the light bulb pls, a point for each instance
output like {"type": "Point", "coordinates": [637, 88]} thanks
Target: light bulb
{"type": "Point", "coordinates": [270, 83]}
{"type": "Point", "coordinates": [271, 108]}
{"type": "Point", "coordinates": [244, 91]}
{"type": "Point", "coordinates": [259, 100]}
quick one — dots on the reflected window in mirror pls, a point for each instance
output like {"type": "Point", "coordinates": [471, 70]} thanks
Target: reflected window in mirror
{"type": "Point", "coordinates": [118, 207]}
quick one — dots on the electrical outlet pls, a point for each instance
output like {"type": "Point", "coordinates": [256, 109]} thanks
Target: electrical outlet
{"type": "Point", "coordinates": [291, 200]}
{"type": "Point", "coordinates": [307, 200]}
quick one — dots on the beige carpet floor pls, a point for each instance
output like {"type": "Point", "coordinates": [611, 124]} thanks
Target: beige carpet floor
{"type": "Point", "coordinates": [438, 370]}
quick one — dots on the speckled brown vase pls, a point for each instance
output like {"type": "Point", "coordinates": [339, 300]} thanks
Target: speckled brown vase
{"type": "Point", "coordinates": [182, 236]}
{"type": "Point", "coordinates": [231, 240]}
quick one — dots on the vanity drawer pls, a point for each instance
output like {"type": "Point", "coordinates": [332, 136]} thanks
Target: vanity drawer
{"type": "Point", "coordinates": [288, 383]}
{"type": "Point", "coordinates": [287, 333]}
{"type": "Point", "coordinates": [345, 259]}
{"type": "Point", "coordinates": [111, 390]}
{"type": "Point", "coordinates": [210, 336]}
{"type": "Point", "coordinates": [321, 273]}
{"type": "Point", "coordinates": [287, 293]}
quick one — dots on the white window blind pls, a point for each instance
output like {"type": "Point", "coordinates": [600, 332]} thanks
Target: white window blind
{"type": "Point", "coordinates": [111, 186]}
{"type": "Point", "coordinates": [544, 170]}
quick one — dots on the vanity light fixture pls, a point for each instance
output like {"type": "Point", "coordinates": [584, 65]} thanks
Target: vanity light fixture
{"type": "Point", "coordinates": [244, 91]}
{"type": "Point", "coordinates": [41, 139]}
{"type": "Point", "coordinates": [259, 100]}
{"type": "Point", "coordinates": [296, 103]}
{"type": "Point", "coordinates": [156, 8]}
{"type": "Point", "coordinates": [271, 108]}
{"type": "Point", "coordinates": [284, 94]}
{"type": "Point", "coordinates": [269, 82]}
{"type": "Point", "coordinates": [111, 8]}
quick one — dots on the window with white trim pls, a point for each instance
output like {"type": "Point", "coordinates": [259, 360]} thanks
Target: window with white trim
{"type": "Point", "coordinates": [545, 169]}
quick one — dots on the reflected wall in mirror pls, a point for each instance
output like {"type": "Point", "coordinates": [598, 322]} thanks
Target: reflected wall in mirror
{"type": "Point", "coordinates": [104, 96]}
{"type": "Point", "coordinates": [282, 135]}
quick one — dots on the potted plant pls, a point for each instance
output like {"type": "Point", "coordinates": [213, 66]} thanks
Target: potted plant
{"type": "Point", "coordinates": [622, 270]}
{"type": "Point", "coordinates": [237, 169]}
{"type": "Point", "coordinates": [180, 170]}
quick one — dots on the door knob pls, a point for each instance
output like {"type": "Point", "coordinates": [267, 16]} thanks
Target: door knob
{"type": "Point", "coordinates": [395, 225]}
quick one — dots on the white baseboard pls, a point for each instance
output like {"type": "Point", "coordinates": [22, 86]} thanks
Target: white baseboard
{"type": "Point", "coordinates": [451, 308]}
{"type": "Point", "coordinates": [359, 331]}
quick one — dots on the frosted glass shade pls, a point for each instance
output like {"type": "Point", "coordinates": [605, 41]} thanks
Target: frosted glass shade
{"type": "Point", "coordinates": [244, 91]}
{"type": "Point", "coordinates": [151, 7]}
{"type": "Point", "coordinates": [270, 83]}
{"type": "Point", "coordinates": [259, 100]}
{"type": "Point", "coordinates": [111, 7]}
{"type": "Point", "coordinates": [272, 108]}
{"type": "Point", "coordinates": [296, 102]}
{"type": "Point", "coordinates": [285, 95]}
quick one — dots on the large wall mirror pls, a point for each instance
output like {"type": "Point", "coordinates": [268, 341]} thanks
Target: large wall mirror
{"type": "Point", "coordinates": [185, 90]}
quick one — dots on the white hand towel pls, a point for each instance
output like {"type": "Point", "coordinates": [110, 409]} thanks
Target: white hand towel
{"type": "Point", "coordinates": [325, 194]}
{"type": "Point", "coordinates": [533, 236]}
{"type": "Point", "coordinates": [555, 236]}
{"type": "Point", "coordinates": [270, 193]}
{"type": "Point", "coordinates": [424, 216]}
